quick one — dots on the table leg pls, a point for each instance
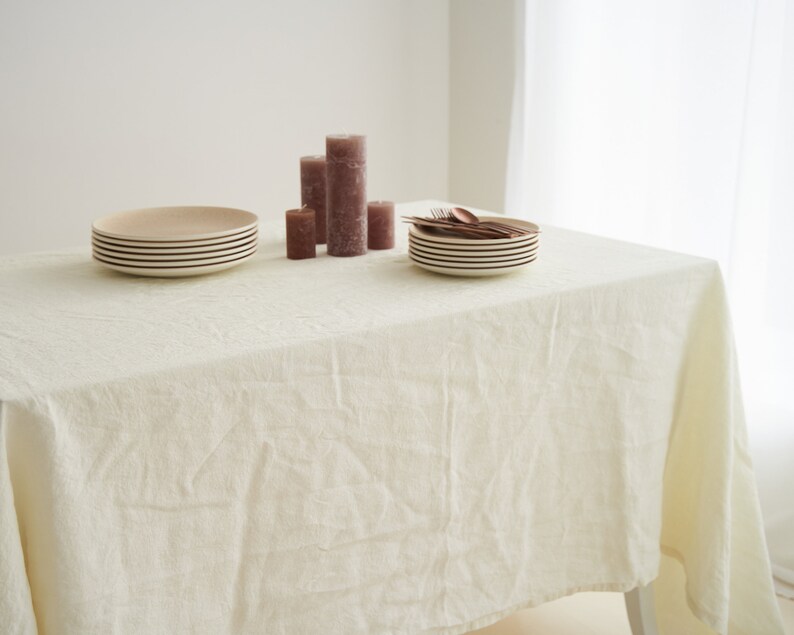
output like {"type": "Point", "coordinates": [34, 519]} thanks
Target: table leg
{"type": "Point", "coordinates": [642, 614]}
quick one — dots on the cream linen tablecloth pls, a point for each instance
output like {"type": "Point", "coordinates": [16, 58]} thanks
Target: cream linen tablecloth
{"type": "Point", "coordinates": [359, 446]}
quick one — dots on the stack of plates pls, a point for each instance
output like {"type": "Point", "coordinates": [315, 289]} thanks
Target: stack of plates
{"type": "Point", "coordinates": [168, 242]}
{"type": "Point", "coordinates": [459, 256]}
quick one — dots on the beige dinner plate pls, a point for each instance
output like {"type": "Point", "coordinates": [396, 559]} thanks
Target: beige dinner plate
{"type": "Point", "coordinates": [429, 235]}
{"type": "Point", "coordinates": [470, 273]}
{"type": "Point", "coordinates": [454, 250]}
{"type": "Point", "coordinates": [222, 253]}
{"type": "Point", "coordinates": [174, 271]}
{"type": "Point", "coordinates": [472, 261]}
{"type": "Point", "coordinates": [505, 254]}
{"type": "Point", "coordinates": [192, 262]}
{"type": "Point", "coordinates": [184, 246]}
{"type": "Point", "coordinates": [471, 265]}
{"type": "Point", "coordinates": [163, 224]}
{"type": "Point", "coordinates": [474, 246]}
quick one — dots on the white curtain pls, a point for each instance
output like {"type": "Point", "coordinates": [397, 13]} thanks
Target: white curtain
{"type": "Point", "coordinates": [671, 123]}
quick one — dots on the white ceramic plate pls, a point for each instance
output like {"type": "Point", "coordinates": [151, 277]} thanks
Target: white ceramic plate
{"type": "Point", "coordinates": [472, 265]}
{"type": "Point", "coordinates": [174, 272]}
{"type": "Point", "coordinates": [470, 273]}
{"type": "Point", "coordinates": [453, 250]}
{"type": "Point", "coordinates": [125, 255]}
{"type": "Point", "coordinates": [164, 224]}
{"type": "Point", "coordinates": [429, 236]}
{"type": "Point", "coordinates": [196, 262]}
{"type": "Point", "coordinates": [468, 256]}
{"type": "Point", "coordinates": [185, 246]}
{"type": "Point", "coordinates": [475, 245]}
{"type": "Point", "coordinates": [480, 262]}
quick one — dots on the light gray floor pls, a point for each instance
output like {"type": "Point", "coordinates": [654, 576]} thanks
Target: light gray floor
{"type": "Point", "coordinates": [586, 614]}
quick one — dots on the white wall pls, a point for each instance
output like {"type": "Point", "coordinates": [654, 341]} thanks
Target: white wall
{"type": "Point", "coordinates": [110, 105]}
{"type": "Point", "coordinates": [482, 63]}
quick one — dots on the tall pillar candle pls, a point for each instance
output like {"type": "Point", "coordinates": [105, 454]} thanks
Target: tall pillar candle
{"type": "Point", "coordinates": [313, 191]}
{"type": "Point", "coordinates": [346, 165]}
{"type": "Point", "coordinates": [380, 224]}
{"type": "Point", "coordinates": [301, 239]}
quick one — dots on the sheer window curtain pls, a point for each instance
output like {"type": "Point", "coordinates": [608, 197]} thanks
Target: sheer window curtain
{"type": "Point", "coordinates": [671, 123]}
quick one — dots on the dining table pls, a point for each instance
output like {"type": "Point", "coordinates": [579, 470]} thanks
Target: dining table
{"type": "Point", "coordinates": [357, 445]}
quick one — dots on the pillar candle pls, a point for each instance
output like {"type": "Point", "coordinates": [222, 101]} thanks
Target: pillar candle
{"type": "Point", "coordinates": [346, 202]}
{"type": "Point", "coordinates": [380, 224]}
{"type": "Point", "coordinates": [313, 191]}
{"type": "Point", "coordinates": [301, 239]}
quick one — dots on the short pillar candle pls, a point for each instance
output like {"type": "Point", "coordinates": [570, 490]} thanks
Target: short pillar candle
{"type": "Point", "coordinates": [301, 237]}
{"type": "Point", "coordinates": [380, 224]}
{"type": "Point", "coordinates": [313, 191]}
{"type": "Point", "coordinates": [346, 206]}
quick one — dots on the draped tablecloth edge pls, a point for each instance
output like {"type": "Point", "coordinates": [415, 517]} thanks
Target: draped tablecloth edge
{"type": "Point", "coordinates": [493, 618]}
{"type": "Point", "coordinates": [19, 605]}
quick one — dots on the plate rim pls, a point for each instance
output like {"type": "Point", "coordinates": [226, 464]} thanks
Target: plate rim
{"type": "Point", "coordinates": [453, 248]}
{"type": "Point", "coordinates": [467, 273]}
{"type": "Point", "coordinates": [442, 266]}
{"type": "Point", "coordinates": [123, 263]}
{"type": "Point", "coordinates": [218, 253]}
{"type": "Point", "coordinates": [472, 246]}
{"type": "Point", "coordinates": [171, 272]}
{"type": "Point", "coordinates": [253, 220]}
{"type": "Point", "coordinates": [154, 247]}
{"type": "Point", "coordinates": [473, 259]}
{"type": "Point", "coordinates": [415, 230]}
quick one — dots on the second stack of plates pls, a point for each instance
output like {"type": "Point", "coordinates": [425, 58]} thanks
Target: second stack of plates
{"type": "Point", "coordinates": [459, 256]}
{"type": "Point", "coordinates": [174, 241]}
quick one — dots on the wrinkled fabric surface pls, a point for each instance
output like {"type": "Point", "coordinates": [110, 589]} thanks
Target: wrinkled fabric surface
{"type": "Point", "coordinates": [359, 446]}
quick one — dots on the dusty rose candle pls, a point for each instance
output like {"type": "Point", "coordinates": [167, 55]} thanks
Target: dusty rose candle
{"type": "Point", "coordinates": [313, 191]}
{"type": "Point", "coordinates": [346, 201]}
{"type": "Point", "coordinates": [380, 224]}
{"type": "Point", "coordinates": [301, 239]}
